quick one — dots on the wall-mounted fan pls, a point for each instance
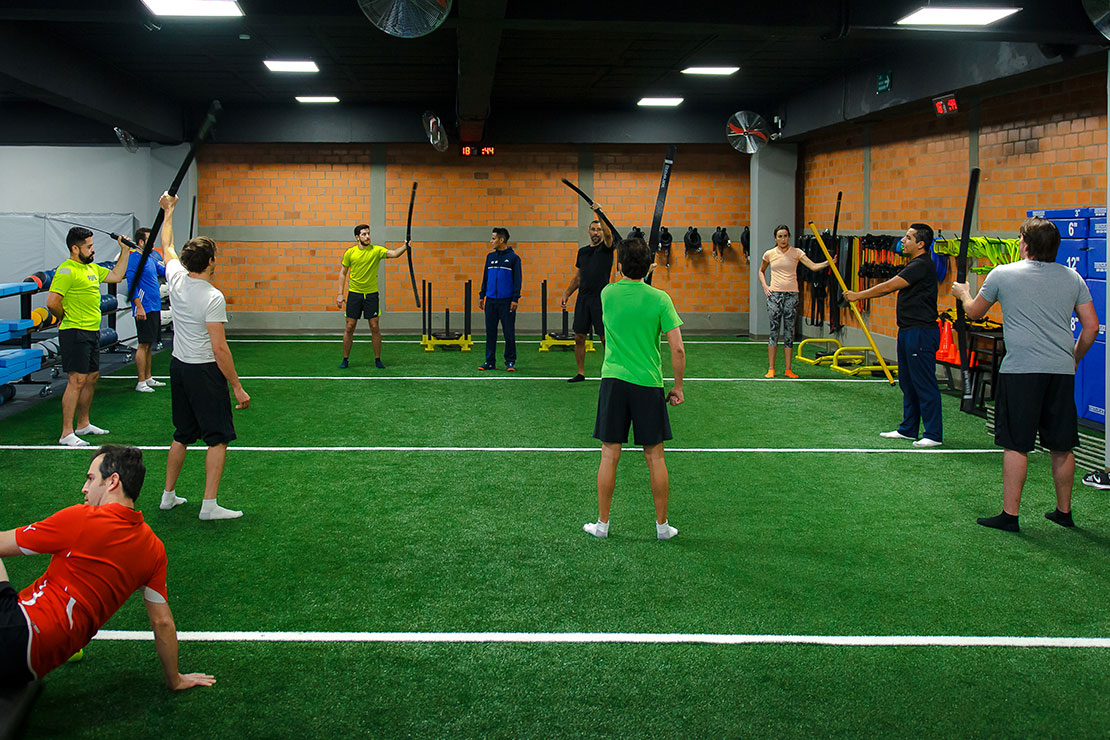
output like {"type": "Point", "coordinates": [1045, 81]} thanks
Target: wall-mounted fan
{"type": "Point", "coordinates": [406, 19]}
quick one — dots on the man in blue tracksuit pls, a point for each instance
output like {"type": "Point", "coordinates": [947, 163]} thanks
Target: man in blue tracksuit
{"type": "Point", "coordinates": [499, 297]}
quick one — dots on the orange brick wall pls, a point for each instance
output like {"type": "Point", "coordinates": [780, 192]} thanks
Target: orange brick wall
{"type": "Point", "coordinates": [1042, 147]}
{"type": "Point", "coordinates": [1045, 148]}
{"type": "Point", "coordinates": [709, 188]}
{"type": "Point", "coordinates": [833, 163]}
{"type": "Point", "coordinates": [329, 185]}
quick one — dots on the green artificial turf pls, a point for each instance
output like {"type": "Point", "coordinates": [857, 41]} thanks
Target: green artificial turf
{"type": "Point", "coordinates": [771, 542]}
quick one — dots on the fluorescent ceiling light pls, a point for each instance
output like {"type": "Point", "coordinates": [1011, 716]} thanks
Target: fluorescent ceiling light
{"type": "Point", "coordinates": [317, 99]}
{"type": "Point", "coordinates": [935, 16]}
{"type": "Point", "coordinates": [207, 8]}
{"type": "Point", "coordinates": [710, 70]}
{"type": "Point", "coordinates": [291, 66]}
{"type": "Point", "coordinates": [660, 102]}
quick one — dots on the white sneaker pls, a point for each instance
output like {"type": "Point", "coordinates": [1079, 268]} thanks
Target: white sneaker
{"type": "Point", "coordinates": [142, 387]}
{"type": "Point", "coordinates": [926, 442]}
{"type": "Point", "coordinates": [665, 531]}
{"type": "Point", "coordinates": [895, 435]}
{"type": "Point", "coordinates": [155, 383]}
{"type": "Point", "coordinates": [92, 429]}
{"type": "Point", "coordinates": [597, 529]}
{"type": "Point", "coordinates": [72, 440]}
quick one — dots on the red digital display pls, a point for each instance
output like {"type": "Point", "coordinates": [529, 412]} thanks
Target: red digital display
{"type": "Point", "coordinates": [470, 150]}
{"type": "Point", "coordinates": [945, 105]}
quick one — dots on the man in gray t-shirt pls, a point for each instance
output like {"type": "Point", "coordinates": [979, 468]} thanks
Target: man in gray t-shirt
{"type": "Point", "coordinates": [1036, 382]}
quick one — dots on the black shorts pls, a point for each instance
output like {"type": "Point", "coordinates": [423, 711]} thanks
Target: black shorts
{"type": "Point", "coordinates": [15, 640]}
{"type": "Point", "coordinates": [200, 403]}
{"type": "Point", "coordinates": [361, 305]}
{"type": "Point", "coordinates": [80, 350]}
{"type": "Point", "coordinates": [620, 403]}
{"type": "Point", "coordinates": [149, 330]}
{"type": "Point", "coordinates": [587, 314]}
{"type": "Point", "coordinates": [1028, 403]}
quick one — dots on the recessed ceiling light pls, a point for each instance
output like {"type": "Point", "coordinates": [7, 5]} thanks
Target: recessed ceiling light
{"type": "Point", "coordinates": [291, 66]}
{"type": "Point", "coordinates": [660, 102]}
{"type": "Point", "coordinates": [317, 99]}
{"type": "Point", "coordinates": [953, 16]}
{"type": "Point", "coordinates": [710, 70]}
{"type": "Point", "coordinates": [208, 8]}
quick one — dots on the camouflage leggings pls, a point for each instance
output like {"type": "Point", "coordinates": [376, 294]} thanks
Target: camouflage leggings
{"type": "Point", "coordinates": [782, 308]}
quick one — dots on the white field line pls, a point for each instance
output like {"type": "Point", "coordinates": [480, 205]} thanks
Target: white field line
{"type": "Point", "coordinates": [649, 638]}
{"type": "Point", "coordinates": [476, 337]}
{"type": "Point", "coordinates": [592, 450]}
{"type": "Point", "coordinates": [510, 376]}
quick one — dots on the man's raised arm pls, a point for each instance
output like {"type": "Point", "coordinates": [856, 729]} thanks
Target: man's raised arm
{"type": "Point", "coordinates": [168, 202]}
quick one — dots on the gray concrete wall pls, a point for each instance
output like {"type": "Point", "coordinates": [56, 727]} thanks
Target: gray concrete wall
{"type": "Point", "coordinates": [773, 172]}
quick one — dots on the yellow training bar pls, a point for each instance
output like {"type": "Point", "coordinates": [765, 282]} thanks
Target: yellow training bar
{"type": "Point", "coordinates": [852, 305]}
{"type": "Point", "coordinates": [825, 359]}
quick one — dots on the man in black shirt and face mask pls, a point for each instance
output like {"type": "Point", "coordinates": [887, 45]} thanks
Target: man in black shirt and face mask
{"type": "Point", "coordinates": [591, 274]}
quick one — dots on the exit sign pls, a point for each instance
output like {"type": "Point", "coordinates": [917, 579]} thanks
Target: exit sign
{"type": "Point", "coordinates": [882, 83]}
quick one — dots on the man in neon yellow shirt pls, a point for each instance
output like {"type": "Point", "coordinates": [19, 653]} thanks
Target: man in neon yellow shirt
{"type": "Point", "coordinates": [360, 265]}
{"type": "Point", "coordinates": [75, 299]}
{"type": "Point", "coordinates": [631, 393]}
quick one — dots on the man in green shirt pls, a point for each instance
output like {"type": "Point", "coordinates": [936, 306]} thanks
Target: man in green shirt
{"type": "Point", "coordinates": [636, 314]}
{"type": "Point", "coordinates": [75, 299]}
{"type": "Point", "coordinates": [360, 265]}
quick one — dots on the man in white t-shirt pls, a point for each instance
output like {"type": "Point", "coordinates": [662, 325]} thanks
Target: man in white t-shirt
{"type": "Point", "coordinates": [201, 368]}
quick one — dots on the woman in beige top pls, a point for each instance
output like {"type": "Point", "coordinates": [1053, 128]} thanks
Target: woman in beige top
{"type": "Point", "coordinates": [782, 294]}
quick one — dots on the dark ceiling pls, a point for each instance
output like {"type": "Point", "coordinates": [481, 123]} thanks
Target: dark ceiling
{"type": "Point", "coordinates": [97, 58]}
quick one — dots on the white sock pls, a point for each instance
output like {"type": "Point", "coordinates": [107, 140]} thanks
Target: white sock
{"type": "Point", "coordinates": [91, 429]}
{"type": "Point", "coordinates": [665, 531]}
{"type": "Point", "coordinates": [72, 440]}
{"type": "Point", "coordinates": [209, 509]}
{"type": "Point", "coordinates": [170, 499]}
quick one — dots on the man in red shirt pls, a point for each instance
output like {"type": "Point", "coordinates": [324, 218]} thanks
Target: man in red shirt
{"type": "Point", "coordinates": [102, 552]}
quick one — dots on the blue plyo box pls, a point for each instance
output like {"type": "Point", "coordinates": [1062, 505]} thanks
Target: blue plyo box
{"type": "Point", "coordinates": [1094, 384]}
{"type": "Point", "coordinates": [16, 325]}
{"type": "Point", "coordinates": [7, 289]}
{"type": "Point", "coordinates": [20, 357]}
{"type": "Point", "coordinates": [1073, 254]}
{"type": "Point", "coordinates": [1080, 380]}
{"type": "Point", "coordinates": [1096, 258]}
{"type": "Point", "coordinates": [1098, 295]}
{"type": "Point", "coordinates": [1066, 214]}
{"type": "Point", "coordinates": [1072, 229]}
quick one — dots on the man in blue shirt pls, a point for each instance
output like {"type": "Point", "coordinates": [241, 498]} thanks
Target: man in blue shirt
{"type": "Point", "coordinates": [499, 297]}
{"type": "Point", "coordinates": [146, 308]}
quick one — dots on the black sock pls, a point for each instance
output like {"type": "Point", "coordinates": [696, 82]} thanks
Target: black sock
{"type": "Point", "coordinates": [1061, 518]}
{"type": "Point", "coordinates": [1004, 521]}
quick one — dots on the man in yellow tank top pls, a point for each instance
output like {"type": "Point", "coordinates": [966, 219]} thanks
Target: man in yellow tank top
{"type": "Point", "coordinates": [358, 288]}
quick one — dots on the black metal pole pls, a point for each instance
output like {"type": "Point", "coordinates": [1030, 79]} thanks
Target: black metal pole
{"type": "Point", "coordinates": [543, 309]}
{"type": "Point", "coordinates": [466, 320]}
